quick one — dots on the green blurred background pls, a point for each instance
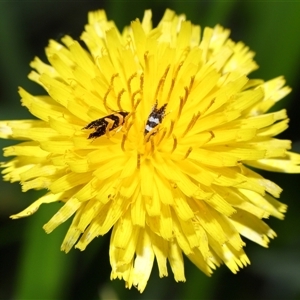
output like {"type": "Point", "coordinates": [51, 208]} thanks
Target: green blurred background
{"type": "Point", "coordinates": [31, 263]}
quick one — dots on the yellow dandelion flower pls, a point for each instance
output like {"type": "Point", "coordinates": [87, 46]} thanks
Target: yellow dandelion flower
{"type": "Point", "coordinates": [154, 134]}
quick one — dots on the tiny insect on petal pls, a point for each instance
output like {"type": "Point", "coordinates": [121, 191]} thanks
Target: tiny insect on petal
{"type": "Point", "coordinates": [107, 123]}
{"type": "Point", "coordinates": [156, 116]}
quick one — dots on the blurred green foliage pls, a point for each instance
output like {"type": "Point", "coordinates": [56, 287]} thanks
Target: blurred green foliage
{"type": "Point", "coordinates": [32, 266]}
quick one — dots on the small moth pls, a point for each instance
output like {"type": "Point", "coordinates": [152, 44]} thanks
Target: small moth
{"type": "Point", "coordinates": [156, 116]}
{"type": "Point", "coordinates": [107, 123]}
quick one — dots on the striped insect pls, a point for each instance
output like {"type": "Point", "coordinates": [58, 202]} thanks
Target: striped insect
{"type": "Point", "coordinates": [156, 116]}
{"type": "Point", "coordinates": [108, 123]}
